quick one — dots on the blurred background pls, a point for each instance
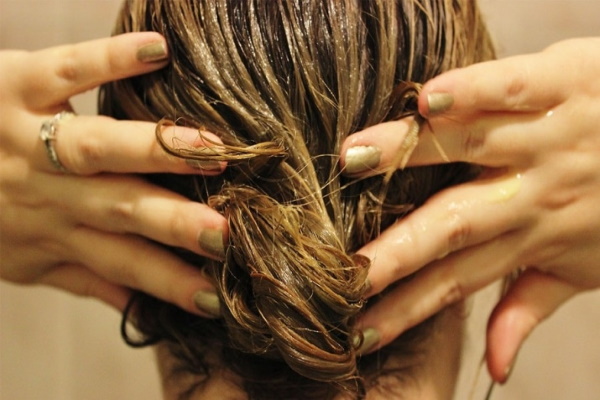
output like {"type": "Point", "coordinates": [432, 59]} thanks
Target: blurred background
{"type": "Point", "coordinates": [54, 346]}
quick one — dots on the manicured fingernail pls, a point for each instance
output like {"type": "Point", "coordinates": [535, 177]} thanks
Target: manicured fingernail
{"type": "Point", "coordinates": [211, 241]}
{"type": "Point", "coordinates": [208, 302]}
{"type": "Point", "coordinates": [361, 159]}
{"type": "Point", "coordinates": [370, 338]}
{"type": "Point", "coordinates": [204, 165]}
{"type": "Point", "coordinates": [439, 102]}
{"type": "Point", "coordinates": [152, 52]}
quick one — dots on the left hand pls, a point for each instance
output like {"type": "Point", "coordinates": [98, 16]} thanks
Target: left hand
{"type": "Point", "coordinates": [533, 122]}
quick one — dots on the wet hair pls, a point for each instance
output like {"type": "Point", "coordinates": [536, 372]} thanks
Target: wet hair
{"type": "Point", "coordinates": [283, 83]}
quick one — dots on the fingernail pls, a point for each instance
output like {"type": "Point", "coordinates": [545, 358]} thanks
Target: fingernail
{"type": "Point", "coordinates": [362, 158]}
{"type": "Point", "coordinates": [370, 338]}
{"type": "Point", "coordinates": [204, 165]}
{"type": "Point", "coordinates": [439, 102]}
{"type": "Point", "coordinates": [208, 302]}
{"type": "Point", "coordinates": [152, 52]}
{"type": "Point", "coordinates": [211, 241]}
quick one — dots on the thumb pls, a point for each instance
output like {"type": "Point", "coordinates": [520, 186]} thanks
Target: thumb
{"type": "Point", "coordinates": [532, 298]}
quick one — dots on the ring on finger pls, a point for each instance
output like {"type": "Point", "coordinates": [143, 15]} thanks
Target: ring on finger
{"type": "Point", "coordinates": [49, 134]}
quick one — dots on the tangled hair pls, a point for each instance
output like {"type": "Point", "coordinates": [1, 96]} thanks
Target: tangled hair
{"type": "Point", "coordinates": [283, 83]}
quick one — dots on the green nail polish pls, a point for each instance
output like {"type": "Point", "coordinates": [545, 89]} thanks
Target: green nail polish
{"type": "Point", "coordinates": [370, 338]}
{"type": "Point", "coordinates": [208, 302]}
{"type": "Point", "coordinates": [439, 102]}
{"type": "Point", "coordinates": [152, 52]}
{"type": "Point", "coordinates": [211, 241]}
{"type": "Point", "coordinates": [362, 159]}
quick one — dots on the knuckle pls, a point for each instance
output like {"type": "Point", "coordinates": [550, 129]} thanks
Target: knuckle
{"type": "Point", "coordinates": [514, 88]}
{"type": "Point", "coordinates": [473, 144]}
{"type": "Point", "coordinates": [454, 291]}
{"type": "Point", "coordinates": [459, 231]}
{"type": "Point", "coordinates": [90, 151]}
{"type": "Point", "coordinates": [122, 214]}
{"type": "Point", "coordinates": [68, 69]}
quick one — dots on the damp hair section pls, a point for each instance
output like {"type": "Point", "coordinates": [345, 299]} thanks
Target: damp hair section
{"type": "Point", "coordinates": [283, 83]}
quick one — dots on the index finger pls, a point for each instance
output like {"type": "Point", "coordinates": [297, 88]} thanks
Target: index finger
{"type": "Point", "coordinates": [492, 139]}
{"type": "Point", "coordinates": [522, 83]}
{"type": "Point", "coordinates": [89, 145]}
{"type": "Point", "coordinates": [51, 76]}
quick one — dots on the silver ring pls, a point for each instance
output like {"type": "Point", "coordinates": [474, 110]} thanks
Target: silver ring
{"type": "Point", "coordinates": [48, 134]}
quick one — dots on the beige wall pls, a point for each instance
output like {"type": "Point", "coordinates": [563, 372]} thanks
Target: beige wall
{"type": "Point", "coordinates": [55, 347]}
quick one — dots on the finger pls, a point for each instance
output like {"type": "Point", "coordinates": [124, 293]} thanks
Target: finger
{"type": "Point", "coordinates": [83, 282]}
{"type": "Point", "coordinates": [136, 263]}
{"type": "Point", "coordinates": [89, 145]}
{"type": "Point", "coordinates": [51, 76]}
{"type": "Point", "coordinates": [454, 219]}
{"type": "Point", "coordinates": [515, 84]}
{"type": "Point", "coordinates": [122, 205]}
{"type": "Point", "coordinates": [492, 140]}
{"type": "Point", "coordinates": [531, 299]}
{"type": "Point", "coordinates": [489, 139]}
{"type": "Point", "coordinates": [439, 285]}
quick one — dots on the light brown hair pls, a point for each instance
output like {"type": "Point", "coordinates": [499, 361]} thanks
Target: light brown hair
{"type": "Point", "coordinates": [283, 83]}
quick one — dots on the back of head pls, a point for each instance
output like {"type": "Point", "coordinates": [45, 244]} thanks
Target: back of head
{"type": "Point", "coordinates": [283, 83]}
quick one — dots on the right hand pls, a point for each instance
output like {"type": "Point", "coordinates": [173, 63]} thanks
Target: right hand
{"type": "Point", "coordinates": [93, 232]}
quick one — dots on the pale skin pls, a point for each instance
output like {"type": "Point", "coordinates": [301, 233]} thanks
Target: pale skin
{"type": "Point", "coordinates": [92, 232]}
{"type": "Point", "coordinates": [533, 122]}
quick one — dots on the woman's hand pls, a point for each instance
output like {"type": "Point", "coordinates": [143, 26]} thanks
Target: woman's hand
{"type": "Point", "coordinates": [92, 231]}
{"type": "Point", "coordinates": [534, 122]}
